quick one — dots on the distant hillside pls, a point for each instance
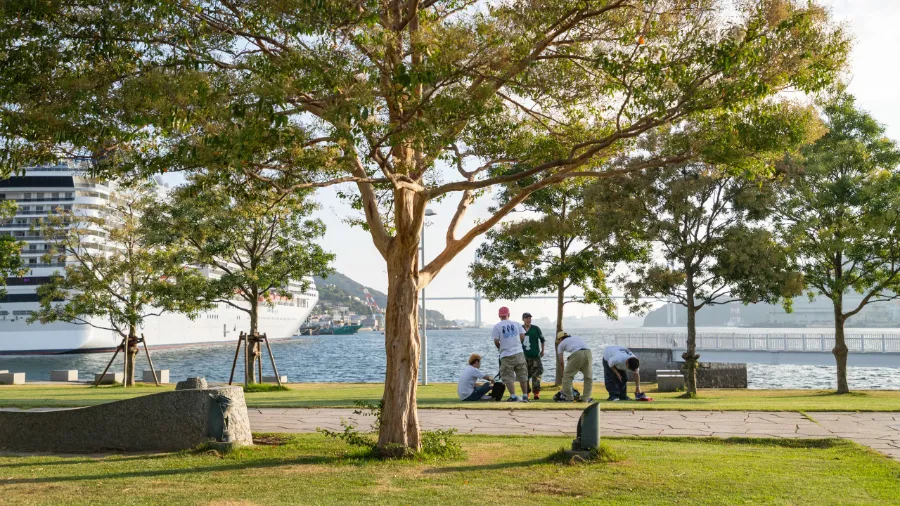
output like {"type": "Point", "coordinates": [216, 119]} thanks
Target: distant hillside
{"type": "Point", "coordinates": [338, 288]}
{"type": "Point", "coordinates": [351, 287]}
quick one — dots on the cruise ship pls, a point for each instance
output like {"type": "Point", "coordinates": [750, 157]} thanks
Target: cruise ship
{"type": "Point", "coordinates": [66, 185]}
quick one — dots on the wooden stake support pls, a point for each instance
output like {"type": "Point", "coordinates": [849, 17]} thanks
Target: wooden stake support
{"type": "Point", "coordinates": [249, 340]}
{"type": "Point", "coordinates": [123, 347]}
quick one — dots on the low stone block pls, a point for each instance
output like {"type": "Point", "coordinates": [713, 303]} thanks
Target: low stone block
{"type": "Point", "coordinates": [64, 375]}
{"type": "Point", "coordinates": [192, 384]}
{"type": "Point", "coordinates": [162, 376]}
{"type": "Point", "coordinates": [272, 379]}
{"type": "Point", "coordinates": [720, 375]}
{"type": "Point", "coordinates": [109, 378]}
{"type": "Point", "coordinates": [167, 421]}
{"type": "Point", "coordinates": [670, 382]}
{"type": "Point", "coordinates": [4, 371]}
{"type": "Point", "coordinates": [12, 378]}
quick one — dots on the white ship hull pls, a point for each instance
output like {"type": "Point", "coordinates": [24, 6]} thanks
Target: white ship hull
{"type": "Point", "coordinates": [65, 185]}
{"type": "Point", "coordinates": [166, 331]}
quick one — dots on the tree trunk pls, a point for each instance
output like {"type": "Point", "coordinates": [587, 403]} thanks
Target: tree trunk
{"type": "Point", "coordinates": [399, 433]}
{"type": "Point", "coordinates": [690, 355]}
{"type": "Point", "coordinates": [560, 304]}
{"type": "Point", "coordinates": [253, 350]}
{"type": "Point", "coordinates": [840, 347]}
{"type": "Point", "coordinates": [131, 350]}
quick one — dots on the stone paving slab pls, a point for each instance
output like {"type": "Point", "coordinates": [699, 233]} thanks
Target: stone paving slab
{"type": "Point", "coordinates": [880, 431]}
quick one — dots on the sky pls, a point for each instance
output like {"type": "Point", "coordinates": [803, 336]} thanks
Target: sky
{"type": "Point", "coordinates": [874, 77]}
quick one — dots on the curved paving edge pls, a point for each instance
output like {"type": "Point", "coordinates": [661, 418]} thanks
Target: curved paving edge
{"type": "Point", "coordinates": [880, 431]}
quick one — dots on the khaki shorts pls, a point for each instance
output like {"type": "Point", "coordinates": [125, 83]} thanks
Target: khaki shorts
{"type": "Point", "coordinates": [513, 368]}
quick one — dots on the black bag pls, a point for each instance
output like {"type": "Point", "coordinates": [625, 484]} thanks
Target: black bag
{"type": "Point", "coordinates": [497, 391]}
{"type": "Point", "coordinates": [559, 398]}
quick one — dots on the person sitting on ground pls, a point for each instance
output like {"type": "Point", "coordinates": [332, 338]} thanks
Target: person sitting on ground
{"type": "Point", "coordinates": [616, 359]}
{"type": "Point", "coordinates": [468, 389]}
{"type": "Point", "coordinates": [581, 360]}
{"type": "Point", "coordinates": [508, 337]}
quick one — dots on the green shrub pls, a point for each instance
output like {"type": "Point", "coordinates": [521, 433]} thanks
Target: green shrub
{"type": "Point", "coordinates": [436, 444]}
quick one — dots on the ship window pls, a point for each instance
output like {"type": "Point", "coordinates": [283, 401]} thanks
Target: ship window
{"type": "Point", "coordinates": [4, 313]}
{"type": "Point", "coordinates": [22, 313]}
{"type": "Point", "coordinates": [32, 247]}
{"type": "Point", "coordinates": [27, 196]}
{"type": "Point", "coordinates": [40, 195]}
{"type": "Point", "coordinates": [55, 195]}
{"type": "Point", "coordinates": [69, 195]}
{"type": "Point", "coordinates": [2, 196]}
{"type": "Point", "coordinates": [32, 261]}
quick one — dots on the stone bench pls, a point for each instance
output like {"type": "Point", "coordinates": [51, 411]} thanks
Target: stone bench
{"type": "Point", "coordinates": [12, 378]}
{"type": "Point", "coordinates": [273, 379]}
{"type": "Point", "coordinates": [162, 376]}
{"type": "Point", "coordinates": [670, 380]}
{"type": "Point", "coordinates": [109, 378]}
{"type": "Point", "coordinates": [64, 375]}
{"type": "Point", "coordinates": [167, 421]}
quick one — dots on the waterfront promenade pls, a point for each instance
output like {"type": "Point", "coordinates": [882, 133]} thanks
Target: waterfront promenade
{"type": "Point", "coordinates": [880, 431]}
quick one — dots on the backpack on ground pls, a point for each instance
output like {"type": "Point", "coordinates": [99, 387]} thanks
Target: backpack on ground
{"type": "Point", "coordinates": [558, 397]}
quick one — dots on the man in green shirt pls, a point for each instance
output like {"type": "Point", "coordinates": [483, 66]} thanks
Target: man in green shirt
{"type": "Point", "coordinates": [534, 350]}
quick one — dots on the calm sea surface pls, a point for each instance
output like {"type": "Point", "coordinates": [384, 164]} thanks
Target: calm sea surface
{"type": "Point", "coordinates": [361, 358]}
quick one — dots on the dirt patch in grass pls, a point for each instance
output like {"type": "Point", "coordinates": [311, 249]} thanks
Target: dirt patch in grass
{"type": "Point", "coordinates": [271, 439]}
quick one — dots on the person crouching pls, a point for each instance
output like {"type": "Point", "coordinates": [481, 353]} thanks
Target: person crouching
{"type": "Point", "coordinates": [616, 359]}
{"type": "Point", "coordinates": [467, 389]}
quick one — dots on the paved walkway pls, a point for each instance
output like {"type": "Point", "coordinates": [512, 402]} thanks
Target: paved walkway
{"type": "Point", "coordinates": [880, 431]}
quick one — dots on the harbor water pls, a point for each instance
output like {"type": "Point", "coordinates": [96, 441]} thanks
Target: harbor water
{"type": "Point", "coordinates": [361, 358]}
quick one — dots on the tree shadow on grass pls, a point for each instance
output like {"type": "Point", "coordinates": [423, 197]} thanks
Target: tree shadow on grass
{"type": "Point", "coordinates": [156, 473]}
{"type": "Point", "coordinates": [68, 460]}
{"type": "Point", "coordinates": [486, 467]}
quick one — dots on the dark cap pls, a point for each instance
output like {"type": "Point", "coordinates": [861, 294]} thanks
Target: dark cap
{"type": "Point", "coordinates": [526, 315]}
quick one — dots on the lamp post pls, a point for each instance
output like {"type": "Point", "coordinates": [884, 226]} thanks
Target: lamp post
{"type": "Point", "coordinates": [428, 212]}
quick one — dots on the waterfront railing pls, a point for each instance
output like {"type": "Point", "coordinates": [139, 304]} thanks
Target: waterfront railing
{"type": "Point", "coordinates": [813, 342]}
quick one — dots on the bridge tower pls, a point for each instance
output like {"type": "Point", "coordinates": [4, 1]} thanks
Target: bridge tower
{"type": "Point", "coordinates": [478, 308]}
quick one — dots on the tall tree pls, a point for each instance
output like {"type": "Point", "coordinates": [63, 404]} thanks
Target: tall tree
{"type": "Point", "coordinates": [714, 246]}
{"type": "Point", "coordinates": [840, 213]}
{"type": "Point", "coordinates": [258, 241]}
{"type": "Point", "coordinates": [114, 279]}
{"type": "Point", "coordinates": [10, 248]}
{"type": "Point", "coordinates": [553, 250]}
{"type": "Point", "coordinates": [381, 94]}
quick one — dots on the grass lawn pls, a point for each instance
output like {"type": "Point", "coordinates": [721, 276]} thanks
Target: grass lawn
{"type": "Point", "coordinates": [311, 469]}
{"type": "Point", "coordinates": [443, 395]}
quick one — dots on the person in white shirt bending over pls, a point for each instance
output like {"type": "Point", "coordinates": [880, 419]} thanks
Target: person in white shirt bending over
{"type": "Point", "coordinates": [467, 389]}
{"type": "Point", "coordinates": [508, 337]}
{"type": "Point", "coordinates": [581, 360]}
{"type": "Point", "coordinates": [616, 359]}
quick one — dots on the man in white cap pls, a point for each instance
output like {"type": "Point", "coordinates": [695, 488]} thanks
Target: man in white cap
{"type": "Point", "coordinates": [581, 360]}
{"type": "Point", "coordinates": [508, 337]}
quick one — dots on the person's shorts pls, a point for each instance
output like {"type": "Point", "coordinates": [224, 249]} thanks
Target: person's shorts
{"type": "Point", "coordinates": [513, 368]}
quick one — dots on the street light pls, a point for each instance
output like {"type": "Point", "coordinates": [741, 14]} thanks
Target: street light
{"type": "Point", "coordinates": [428, 212]}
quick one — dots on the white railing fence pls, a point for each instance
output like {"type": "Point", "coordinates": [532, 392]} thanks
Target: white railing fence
{"type": "Point", "coordinates": [859, 343]}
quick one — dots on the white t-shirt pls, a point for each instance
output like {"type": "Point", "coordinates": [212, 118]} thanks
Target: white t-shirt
{"type": "Point", "coordinates": [616, 356]}
{"type": "Point", "coordinates": [571, 344]}
{"type": "Point", "coordinates": [508, 332]}
{"type": "Point", "coordinates": [467, 381]}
